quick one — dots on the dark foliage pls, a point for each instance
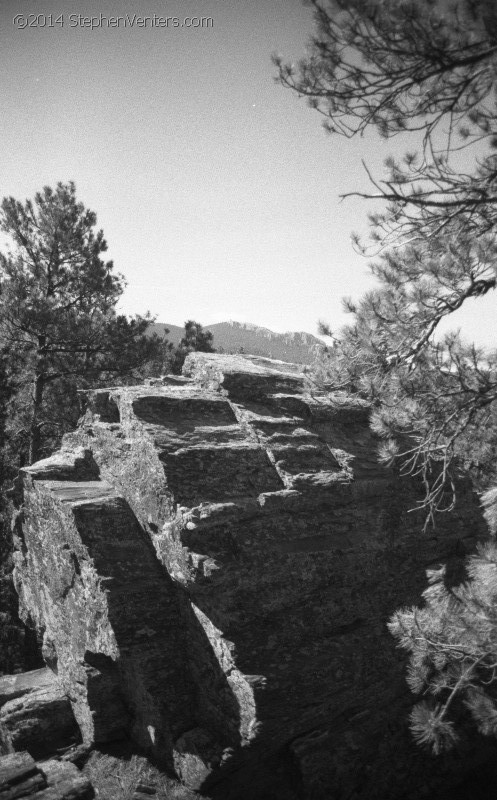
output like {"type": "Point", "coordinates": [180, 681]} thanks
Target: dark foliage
{"type": "Point", "coordinates": [58, 321]}
{"type": "Point", "coordinates": [426, 70]}
{"type": "Point", "coordinates": [194, 339]}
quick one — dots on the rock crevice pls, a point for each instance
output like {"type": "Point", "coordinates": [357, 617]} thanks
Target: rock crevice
{"type": "Point", "coordinates": [213, 560]}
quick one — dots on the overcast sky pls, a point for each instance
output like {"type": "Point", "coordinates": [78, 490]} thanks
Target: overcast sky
{"type": "Point", "coordinates": [217, 190]}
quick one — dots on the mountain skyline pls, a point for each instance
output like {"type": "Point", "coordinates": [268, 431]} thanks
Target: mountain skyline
{"type": "Point", "coordinates": [298, 347]}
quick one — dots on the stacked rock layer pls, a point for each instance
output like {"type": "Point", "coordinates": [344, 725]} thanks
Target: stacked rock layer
{"type": "Point", "coordinates": [212, 560]}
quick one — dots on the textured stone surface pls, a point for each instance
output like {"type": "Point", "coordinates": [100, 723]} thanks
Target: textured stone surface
{"type": "Point", "coordinates": [220, 589]}
{"type": "Point", "coordinates": [35, 714]}
{"type": "Point", "coordinates": [20, 777]}
{"type": "Point", "coordinates": [64, 782]}
{"type": "Point", "coordinates": [13, 686]}
{"type": "Point", "coordinates": [65, 465]}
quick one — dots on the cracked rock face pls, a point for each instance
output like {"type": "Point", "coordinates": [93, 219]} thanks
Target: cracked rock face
{"type": "Point", "coordinates": [213, 560]}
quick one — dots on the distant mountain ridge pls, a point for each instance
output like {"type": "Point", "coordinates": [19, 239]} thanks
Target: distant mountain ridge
{"type": "Point", "coordinates": [234, 337]}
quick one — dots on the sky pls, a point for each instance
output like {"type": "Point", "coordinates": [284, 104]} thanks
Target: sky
{"type": "Point", "coordinates": [217, 190]}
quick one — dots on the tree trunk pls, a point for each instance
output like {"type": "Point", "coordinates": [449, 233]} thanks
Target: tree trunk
{"type": "Point", "coordinates": [35, 430]}
{"type": "Point", "coordinates": [38, 387]}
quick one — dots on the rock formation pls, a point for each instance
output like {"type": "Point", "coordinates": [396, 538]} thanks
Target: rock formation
{"type": "Point", "coordinates": [21, 777]}
{"type": "Point", "coordinates": [35, 714]}
{"type": "Point", "coordinates": [212, 560]}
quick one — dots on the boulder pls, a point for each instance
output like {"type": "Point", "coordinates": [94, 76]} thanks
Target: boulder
{"type": "Point", "coordinates": [21, 776]}
{"type": "Point", "coordinates": [35, 714]}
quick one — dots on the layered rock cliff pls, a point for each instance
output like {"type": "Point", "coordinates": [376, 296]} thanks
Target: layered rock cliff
{"type": "Point", "coordinates": [212, 560]}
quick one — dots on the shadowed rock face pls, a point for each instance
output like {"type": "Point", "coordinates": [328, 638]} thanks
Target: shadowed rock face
{"type": "Point", "coordinates": [213, 560]}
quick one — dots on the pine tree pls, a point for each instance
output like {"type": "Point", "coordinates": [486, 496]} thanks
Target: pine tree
{"type": "Point", "coordinates": [434, 401]}
{"type": "Point", "coordinates": [452, 650]}
{"type": "Point", "coordinates": [12, 636]}
{"type": "Point", "coordinates": [57, 314]}
{"type": "Point", "coordinates": [425, 68]}
{"type": "Point", "coordinates": [429, 72]}
{"type": "Point", "coordinates": [195, 339]}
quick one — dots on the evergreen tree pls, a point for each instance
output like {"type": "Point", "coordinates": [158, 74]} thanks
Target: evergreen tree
{"type": "Point", "coordinates": [57, 314]}
{"type": "Point", "coordinates": [452, 650]}
{"type": "Point", "coordinates": [434, 401]}
{"type": "Point", "coordinates": [429, 72]}
{"type": "Point", "coordinates": [194, 339]}
{"type": "Point", "coordinates": [161, 361]}
{"type": "Point", "coordinates": [12, 635]}
{"type": "Point", "coordinates": [425, 69]}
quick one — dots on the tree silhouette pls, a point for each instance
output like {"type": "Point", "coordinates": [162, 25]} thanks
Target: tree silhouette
{"type": "Point", "coordinates": [57, 308]}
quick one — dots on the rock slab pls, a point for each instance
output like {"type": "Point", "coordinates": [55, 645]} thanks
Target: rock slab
{"type": "Point", "coordinates": [213, 561]}
{"type": "Point", "coordinates": [35, 714]}
{"type": "Point", "coordinates": [21, 776]}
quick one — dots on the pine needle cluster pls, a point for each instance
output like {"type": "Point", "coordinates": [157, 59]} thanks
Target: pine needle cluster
{"type": "Point", "coordinates": [452, 645]}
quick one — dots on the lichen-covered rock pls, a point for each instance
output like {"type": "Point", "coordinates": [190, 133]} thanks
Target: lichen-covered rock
{"type": "Point", "coordinates": [219, 589]}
